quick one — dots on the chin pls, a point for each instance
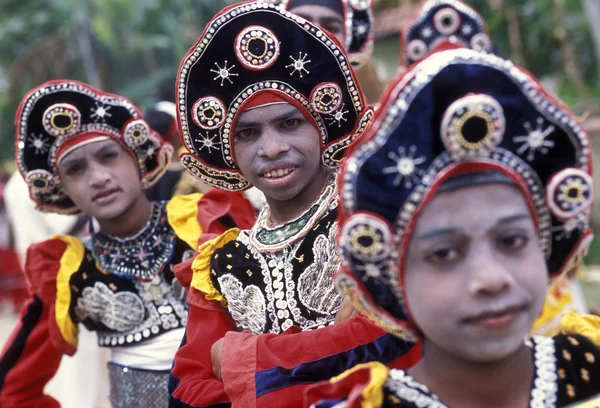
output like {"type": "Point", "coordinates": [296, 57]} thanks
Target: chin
{"type": "Point", "coordinates": [490, 351]}
{"type": "Point", "coordinates": [108, 213]}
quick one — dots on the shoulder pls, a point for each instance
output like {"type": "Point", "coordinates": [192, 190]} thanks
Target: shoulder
{"type": "Point", "coordinates": [201, 266]}
{"type": "Point", "coordinates": [578, 368]}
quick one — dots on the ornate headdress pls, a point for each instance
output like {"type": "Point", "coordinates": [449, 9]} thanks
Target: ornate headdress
{"type": "Point", "coordinates": [442, 22]}
{"type": "Point", "coordinates": [358, 25]}
{"type": "Point", "coordinates": [58, 116]}
{"type": "Point", "coordinates": [258, 50]}
{"type": "Point", "coordinates": [458, 112]}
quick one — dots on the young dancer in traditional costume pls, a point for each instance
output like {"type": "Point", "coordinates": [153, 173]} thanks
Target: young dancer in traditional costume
{"type": "Point", "coordinates": [442, 23]}
{"type": "Point", "coordinates": [278, 113]}
{"type": "Point", "coordinates": [470, 191]}
{"type": "Point", "coordinates": [85, 151]}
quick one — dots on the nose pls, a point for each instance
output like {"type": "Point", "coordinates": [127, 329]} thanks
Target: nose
{"type": "Point", "coordinates": [272, 144]}
{"type": "Point", "coordinates": [99, 175]}
{"type": "Point", "coordinates": [490, 276]}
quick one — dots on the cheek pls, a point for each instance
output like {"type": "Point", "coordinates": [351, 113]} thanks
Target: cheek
{"type": "Point", "coordinates": [428, 294]}
{"type": "Point", "coordinates": [77, 190]}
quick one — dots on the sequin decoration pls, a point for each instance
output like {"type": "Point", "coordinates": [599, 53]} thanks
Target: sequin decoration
{"type": "Point", "coordinates": [535, 140]}
{"type": "Point", "coordinates": [473, 126]}
{"type": "Point", "coordinates": [299, 65]}
{"type": "Point", "coordinates": [136, 132]}
{"type": "Point", "coordinates": [257, 48]}
{"type": "Point", "coordinates": [246, 304]}
{"type": "Point", "coordinates": [208, 113]}
{"type": "Point", "coordinates": [360, 5]}
{"type": "Point", "coordinates": [136, 388]}
{"type": "Point", "coordinates": [224, 73]}
{"type": "Point", "coordinates": [141, 256]}
{"type": "Point", "coordinates": [405, 166]}
{"type": "Point", "coordinates": [100, 112]}
{"type": "Point", "coordinates": [39, 143]}
{"type": "Point", "coordinates": [61, 119]}
{"type": "Point", "coordinates": [366, 237]}
{"type": "Point", "coordinates": [326, 98]}
{"type": "Point", "coordinates": [446, 21]}
{"type": "Point", "coordinates": [569, 193]}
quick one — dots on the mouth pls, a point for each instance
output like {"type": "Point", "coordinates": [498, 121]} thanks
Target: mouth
{"type": "Point", "coordinates": [496, 319]}
{"type": "Point", "coordinates": [106, 196]}
{"type": "Point", "coordinates": [278, 173]}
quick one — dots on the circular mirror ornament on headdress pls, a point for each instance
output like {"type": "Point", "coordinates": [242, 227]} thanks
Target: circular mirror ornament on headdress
{"type": "Point", "coordinates": [473, 126]}
{"type": "Point", "coordinates": [569, 193]}
{"type": "Point", "coordinates": [257, 48]}
{"type": "Point", "coordinates": [208, 113]}
{"type": "Point", "coordinates": [61, 120]}
{"type": "Point", "coordinates": [136, 132]}
{"type": "Point", "coordinates": [417, 49]}
{"type": "Point", "coordinates": [481, 42]}
{"type": "Point", "coordinates": [40, 182]}
{"type": "Point", "coordinates": [366, 238]}
{"type": "Point", "coordinates": [446, 21]}
{"type": "Point", "coordinates": [326, 98]}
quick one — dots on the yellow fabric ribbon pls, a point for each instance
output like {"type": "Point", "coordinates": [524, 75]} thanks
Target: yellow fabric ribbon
{"type": "Point", "coordinates": [70, 262]}
{"type": "Point", "coordinates": [182, 214]}
{"type": "Point", "coordinates": [586, 325]}
{"type": "Point", "coordinates": [372, 395]}
{"type": "Point", "coordinates": [201, 265]}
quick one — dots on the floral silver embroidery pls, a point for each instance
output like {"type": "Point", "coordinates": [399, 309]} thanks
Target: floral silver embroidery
{"type": "Point", "coordinates": [315, 285]}
{"type": "Point", "coordinates": [121, 311]}
{"type": "Point", "coordinates": [246, 305]}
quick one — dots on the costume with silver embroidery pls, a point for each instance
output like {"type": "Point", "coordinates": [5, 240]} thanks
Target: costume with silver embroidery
{"type": "Point", "coordinates": [273, 278]}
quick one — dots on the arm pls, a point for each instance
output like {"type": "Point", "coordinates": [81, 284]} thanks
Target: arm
{"type": "Point", "coordinates": [269, 369]}
{"type": "Point", "coordinates": [29, 360]}
{"type": "Point", "coordinates": [192, 383]}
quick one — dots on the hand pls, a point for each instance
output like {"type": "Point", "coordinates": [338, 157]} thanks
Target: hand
{"type": "Point", "coordinates": [345, 312]}
{"type": "Point", "coordinates": [215, 353]}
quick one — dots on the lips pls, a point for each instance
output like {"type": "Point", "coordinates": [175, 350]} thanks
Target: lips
{"type": "Point", "coordinates": [496, 319]}
{"type": "Point", "coordinates": [104, 195]}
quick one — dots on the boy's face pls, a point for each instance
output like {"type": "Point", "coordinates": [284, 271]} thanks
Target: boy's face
{"type": "Point", "coordinates": [101, 179]}
{"type": "Point", "coordinates": [324, 17]}
{"type": "Point", "coordinates": [475, 275]}
{"type": "Point", "coordinates": [277, 149]}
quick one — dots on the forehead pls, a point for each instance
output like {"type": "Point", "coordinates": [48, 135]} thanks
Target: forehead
{"type": "Point", "coordinates": [472, 208]}
{"type": "Point", "coordinates": [267, 112]}
{"type": "Point", "coordinates": [84, 149]}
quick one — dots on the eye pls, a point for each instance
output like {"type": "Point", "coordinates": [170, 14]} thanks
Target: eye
{"type": "Point", "coordinates": [513, 242]}
{"type": "Point", "coordinates": [443, 255]}
{"type": "Point", "coordinates": [333, 28]}
{"type": "Point", "coordinates": [74, 170]}
{"type": "Point", "coordinates": [290, 123]}
{"type": "Point", "coordinates": [245, 133]}
{"type": "Point", "coordinates": [108, 155]}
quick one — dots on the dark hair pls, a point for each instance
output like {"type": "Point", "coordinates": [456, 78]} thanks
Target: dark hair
{"type": "Point", "coordinates": [475, 179]}
{"type": "Point", "coordinates": [160, 121]}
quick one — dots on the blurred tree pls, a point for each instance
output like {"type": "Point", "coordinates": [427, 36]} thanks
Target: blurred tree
{"type": "Point", "coordinates": [128, 47]}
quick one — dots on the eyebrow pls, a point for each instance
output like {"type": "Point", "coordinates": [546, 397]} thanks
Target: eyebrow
{"type": "Point", "coordinates": [281, 117]}
{"type": "Point", "coordinates": [69, 162]}
{"type": "Point", "coordinates": [449, 231]}
{"type": "Point", "coordinates": [331, 19]}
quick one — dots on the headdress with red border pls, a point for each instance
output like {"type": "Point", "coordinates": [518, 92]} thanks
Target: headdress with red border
{"type": "Point", "coordinates": [439, 23]}
{"type": "Point", "coordinates": [57, 116]}
{"type": "Point", "coordinates": [459, 111]}
{"type": "Point", "coordinates": [358, 27]}
{"type": "Point", "coordinates": [258, 48]}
